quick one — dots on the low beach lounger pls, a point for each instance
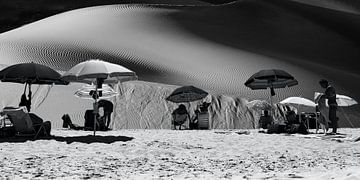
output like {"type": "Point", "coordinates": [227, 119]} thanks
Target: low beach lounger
{"type": "Point", "coordinates": [23, 124]}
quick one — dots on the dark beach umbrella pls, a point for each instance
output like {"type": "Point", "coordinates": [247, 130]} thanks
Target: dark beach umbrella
{"type": "Point", "coordinates": [186, 94]}
{"type": "Point", "coordinates": [31, 73]}
{"type": "Point", "coordinates": [271, 78]}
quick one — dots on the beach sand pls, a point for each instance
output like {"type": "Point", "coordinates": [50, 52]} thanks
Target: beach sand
{"type": "Point", "coordinates": [170, 154]}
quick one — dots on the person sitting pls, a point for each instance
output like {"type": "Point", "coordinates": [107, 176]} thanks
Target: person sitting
{"type": "Point", "coordinates": [180, 115]}
{"type": "Point", "coordinates": [204, 107]}
{"type": "Point", "coordinates": [265, 120]}
{"type": "Point", "coordinates": [108, 109]}
{"type": "Point", "coordinates": [291, 118]}
{"type": "Point", "coordinates": [293, 124]}
{"type": "Point", "coordinates": [194, 123]}
{"type": "Point", "coordinates": [89, 120]}
{"type": "Point", "coordinates": [25, 102]}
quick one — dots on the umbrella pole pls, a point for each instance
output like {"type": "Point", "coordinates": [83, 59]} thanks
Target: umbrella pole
{"type": "Point", "coordinates": [316, 121]}
{"type": "Point", "coordinates": [271, 104]}
{"type": "Point", "coordinates": [29, 96]}
{"type": "Point", "coordinates": [95, 111]}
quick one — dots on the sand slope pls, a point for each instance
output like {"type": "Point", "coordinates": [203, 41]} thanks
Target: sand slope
{"type": "Point", "coordinates": [213, 47]}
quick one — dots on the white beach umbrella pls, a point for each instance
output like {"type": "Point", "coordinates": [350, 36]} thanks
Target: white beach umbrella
{"type": "Point", "coordinates": [92, 71]}
{"type": "Point", "coordinates": [341, 100]}
{"type": "Point", "coordinates": [98, 72]}
{"type": "Point", "coordinates": [298, 101]}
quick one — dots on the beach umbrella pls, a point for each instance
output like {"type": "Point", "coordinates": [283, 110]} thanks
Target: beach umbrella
{"type": "Point", "coordinates": [186, 94]}
{"type": "Point", "coordinates": [298, 101]}
{"type": "Point", "coordinates": [85, 91]}
{"type": "Point", "coordinates": [31, 73]}
{"type": "Point", "coordinates": [341, 100]}
{"type": "Point", "coordinates": [272, 79]}
{"type": "Point", "coordinates": [98, 72]}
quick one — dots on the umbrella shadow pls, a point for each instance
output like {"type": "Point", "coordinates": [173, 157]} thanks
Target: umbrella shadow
{"type": "Point", "coordinates": [81, 139]}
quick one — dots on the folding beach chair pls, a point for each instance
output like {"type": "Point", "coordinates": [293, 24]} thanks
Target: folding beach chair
{"type": "Point", "coordinates": [23, 124]}
{"type": "Point", "coordinates": [203, 120]}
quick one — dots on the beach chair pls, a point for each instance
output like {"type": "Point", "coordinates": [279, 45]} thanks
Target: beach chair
{"type": "Point", "coordinates": [203, 120]}
{"type": "Point", "coordinates": [23, 124]}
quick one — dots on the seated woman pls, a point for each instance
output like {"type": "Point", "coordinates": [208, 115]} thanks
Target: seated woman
{"type": "Point", "coordinates": [180, 115]}
{"type": "Point", "coordinates": [25, 102]}
{"type": "Point", "coordinates": [291, 118]}
{"type": "Point", "coordinates": [265, 120]}
{"type": "Point", "coordinates": [194, 123]}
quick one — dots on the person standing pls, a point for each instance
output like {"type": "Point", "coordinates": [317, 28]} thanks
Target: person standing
{"type": "Point", "coordinates": [330, 95]}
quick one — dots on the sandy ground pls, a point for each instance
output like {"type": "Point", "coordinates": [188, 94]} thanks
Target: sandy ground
{"type": "Point", "coordinates": [169, 154]}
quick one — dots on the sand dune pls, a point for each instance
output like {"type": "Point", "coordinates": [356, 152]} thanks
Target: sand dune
{"type": "Point", "coordinates": [349, 6]}
{"type": "Point", "coordinates": [213, 47]}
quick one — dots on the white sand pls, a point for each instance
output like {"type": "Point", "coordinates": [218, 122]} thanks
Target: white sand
{"type": "Point", "coordinates": [166, 154]}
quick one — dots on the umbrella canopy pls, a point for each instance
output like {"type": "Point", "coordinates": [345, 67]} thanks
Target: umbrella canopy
{"type": "Point", "coordinates": [93, 70]}
{"type": "Point", "coordinates": [186, 94]}
{"type": "Point", "coordinates": [341, 100]}
{"type": "Point", "coordinates": [270, 78]}
{"type": "Point", "coordinates": [84, 92]}
{"type": "Point", "coordinates": [31, 73]}
{"type": "Point", "coordinates": [298, 101]}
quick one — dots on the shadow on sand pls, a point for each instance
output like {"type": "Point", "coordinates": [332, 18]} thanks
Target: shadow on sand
{"type": "Point", "coordinates": [81, 139]}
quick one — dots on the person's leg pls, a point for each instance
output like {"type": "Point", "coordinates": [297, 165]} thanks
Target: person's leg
{"type": "Point", "coordinates": [108, 119]}
{"type": "Point", "coordinates": [333, 118]}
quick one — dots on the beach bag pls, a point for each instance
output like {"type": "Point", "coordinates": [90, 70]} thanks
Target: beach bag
{"type": "Point", "coordinates": [297, 128]}
{"type": "Point", "coordinates": [276, 128]}
{"type": "Point", "coordinates": [89, 120]}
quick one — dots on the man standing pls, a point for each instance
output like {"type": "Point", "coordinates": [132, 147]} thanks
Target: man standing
{"type": "Point", "coordinates": [331, 97]}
